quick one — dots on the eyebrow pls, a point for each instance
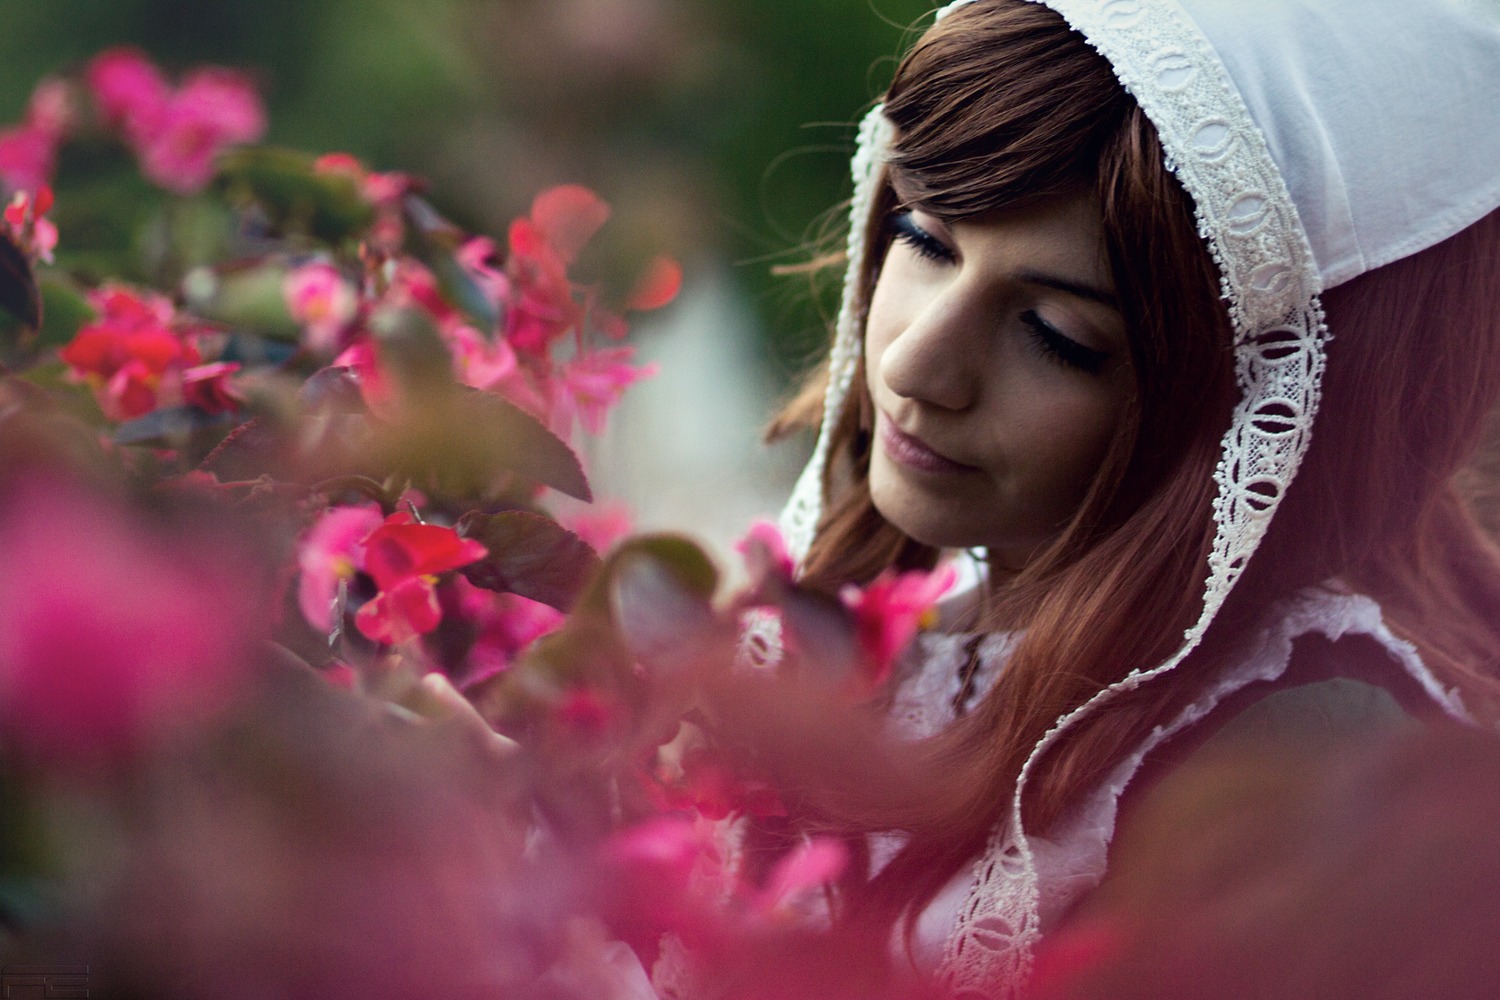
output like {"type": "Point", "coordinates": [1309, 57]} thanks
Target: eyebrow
{"type": "Point", "coordinates": [1060, 284]}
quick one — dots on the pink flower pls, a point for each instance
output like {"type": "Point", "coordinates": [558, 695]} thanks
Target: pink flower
{"type": "Point", "coordinates": [705, 785]}
{"type": "Point", "coordinates": [28, 151]}
{"type": "Point", "coordinates": [126, 85]}
{"type": "Point", "coordinates": [478, 361]}
{"type": "Point", "coordinates": [26, 219]}
{"type": "Point", "coordinates": [594, 382]}
{"type": "Point", "coordinates": [323, 301]}
{"type": "Point", "coordinates": [601, 525]}
{"type": "Point", "coordinates": [27, 156]}
{"type": "Point", "coordinates": [890, 610]}
{"type": "Point", "coordinates": [670, 875]}
{"type": "Point", "coordinates": [803, 873]}
{"type": "Point", "coordinates": [127, 352]}
{"type": "Point", "coordinates": [766, 555]}
{"type": "Point", "coordinates": [112, 635]}
{"type": "Point", "coordinates": [177, 134]}
{"type": "Point", "coordinates": [543, 303]}
{"type": "Point", "coordinates": [477, 256]}
{"type": "Point", "coordinates": [506, 625]}
{"type": "Point", "coordinates": [214, 109]}
{"type": "Point", "coordinates": [405, 558]}
{"type": "Point", "coordinates": [329, 554]}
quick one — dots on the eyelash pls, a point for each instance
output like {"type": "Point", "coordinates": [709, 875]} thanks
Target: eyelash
{"type": "Point", "coordinates": [904, 230]}
{"type": "Point", "coordinates": [1053, 344]}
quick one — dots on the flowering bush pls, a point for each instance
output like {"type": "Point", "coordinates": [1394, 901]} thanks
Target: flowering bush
{"type": "Point", "coordinates": [270, 497]}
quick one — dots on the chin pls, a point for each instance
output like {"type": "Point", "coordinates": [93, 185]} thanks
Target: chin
{"type": "Point", "coordinates": [921, 520]}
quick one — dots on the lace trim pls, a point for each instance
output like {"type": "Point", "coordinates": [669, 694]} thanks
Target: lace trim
{"type": "Point", "coordinates": [990, 952]}
{"type": "Point", "coordinates": [1271, 285]}
{"type": "Point", "coordinates": [799, 519]}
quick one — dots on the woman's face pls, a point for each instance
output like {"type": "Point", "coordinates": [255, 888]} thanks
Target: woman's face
{"type": "Point", "coordinates": [999, 369]}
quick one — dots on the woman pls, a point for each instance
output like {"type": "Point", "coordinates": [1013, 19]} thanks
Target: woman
{"type": "Point", "coordinates": [1093, 246]}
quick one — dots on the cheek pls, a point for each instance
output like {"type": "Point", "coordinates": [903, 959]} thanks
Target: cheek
{"type": "Point", "coordinates": [1068, 439]}
{"type": "Point", "coordinates": [884, 321]}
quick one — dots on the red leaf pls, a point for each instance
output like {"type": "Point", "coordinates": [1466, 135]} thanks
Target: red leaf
{"type": "Point", "coordinates": [568, 216]}
{"type": "Point", "coordinates": [659, 285]}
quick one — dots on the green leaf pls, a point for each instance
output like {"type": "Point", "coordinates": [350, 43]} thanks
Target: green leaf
{"type": "Point", "coordinates": [679, 557]}
{"type": "Point", "coordinates": [475, 444]}
{"type": "Point", "coordinates": [530, 555]}
{"type": "Point", "coordinates": [295, 196]}
{"type": "Point", "coordinates": [65, 309]}
{"type": "Point", "coordinates": [435, 243]}
{"type": "Point", "coordinates": [245, 297]}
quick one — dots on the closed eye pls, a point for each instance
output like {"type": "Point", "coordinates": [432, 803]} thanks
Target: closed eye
{"type": "Point", "coordinates": [904, 229]}
{"type": "Point", "coordinates": [1059, 347]}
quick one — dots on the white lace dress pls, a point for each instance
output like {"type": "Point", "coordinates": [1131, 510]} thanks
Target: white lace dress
{"type": "Point", "coordinates": [980, 931]}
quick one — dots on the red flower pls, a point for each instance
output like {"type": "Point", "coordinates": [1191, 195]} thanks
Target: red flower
{"type": "Point", "coordinates": [126, 354]}
{"type": "Point", "coordinates": [26, 219]}
{"type": "Point", "coordinates": [331, 552]}
{"type": "Point", "coordinates": [659, 285]}
{"type": "Point", "coordinates": [405, 558]}
{"type": "Point", "coordinates": [890, 610]}
{"type": "Point", "coordinates": [207, 387]}
{"type": "Point", "coordinates": [542, 246]}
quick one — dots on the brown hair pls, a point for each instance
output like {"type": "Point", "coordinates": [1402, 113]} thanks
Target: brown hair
{"type": "Point", "coordinates": [1000, 105]}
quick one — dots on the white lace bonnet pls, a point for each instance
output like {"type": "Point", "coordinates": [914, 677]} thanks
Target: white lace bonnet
{"type": "Point", "coordinates": [1318, 139]}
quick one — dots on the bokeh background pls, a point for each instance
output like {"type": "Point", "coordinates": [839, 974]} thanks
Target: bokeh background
{"type": "Point", "coordinates": [718, 129]}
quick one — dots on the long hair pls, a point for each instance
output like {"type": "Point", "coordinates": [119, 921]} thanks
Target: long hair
{"type": "Point", "coordinates": [1000, 105]}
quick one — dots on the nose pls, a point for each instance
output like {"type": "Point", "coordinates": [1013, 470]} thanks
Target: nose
{"type": "Point", "coordinates": [932, 358]}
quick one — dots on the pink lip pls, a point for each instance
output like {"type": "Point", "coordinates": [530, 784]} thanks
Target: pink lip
{"type": "Point", "coordinates": [912, 453]}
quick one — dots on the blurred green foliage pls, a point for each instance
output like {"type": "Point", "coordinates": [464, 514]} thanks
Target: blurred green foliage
{"type": "Point", "coordinates": [719, 129]}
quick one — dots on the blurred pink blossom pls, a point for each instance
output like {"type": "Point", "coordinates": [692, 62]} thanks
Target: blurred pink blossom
{"type": "Point", "coordinates": [479, 362]}
{"type": "Point", "coordinates": [506, 624]}
{"type": "Point", "coordinates": [593, 383]}
{"type": "Point", "coordinates": [657, 286]}
{"type": "Point", "coordinates": [126, 84]}
{"type": "Point", "coordinates": [543, 304]}
{"type": "Point", "coordinates": [807, 870]}
{"type": "Point", "coordinates": [600, 524]}
{"type": "Point", "coordinates": [323, 301]}
{"type": "Point", "coordinates": [889, 611]}
{"type": "Point", "coordinates": [177, 134]}
{"type": "Point", "coordinates": [111, 635]}
{"type": "Point", "coordinates": [766, 554]}
{"type": "Point", "coordinates": [330, 553]}
{"type": "Point", "coordinates": [28, 151]}
{"type": "Point", "coordinates": [26, 218]}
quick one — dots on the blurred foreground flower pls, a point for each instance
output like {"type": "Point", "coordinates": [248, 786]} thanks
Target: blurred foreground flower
{"type": "Point", "coordinates": [112, 636]}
